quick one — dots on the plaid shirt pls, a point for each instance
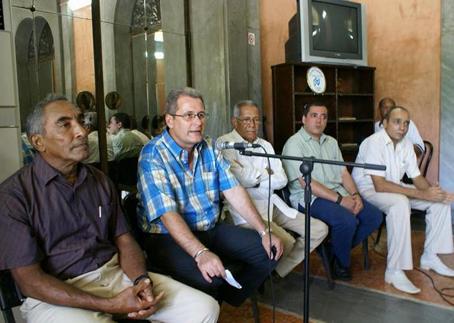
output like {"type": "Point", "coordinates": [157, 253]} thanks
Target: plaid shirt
{"type": "Point", "coordinates": [168, 184]}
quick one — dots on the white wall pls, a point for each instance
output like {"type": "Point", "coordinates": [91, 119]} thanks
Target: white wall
{"type": "Point", "coordinates": [10, 158]}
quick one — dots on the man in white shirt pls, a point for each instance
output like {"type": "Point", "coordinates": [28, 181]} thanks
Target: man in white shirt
{"type": "Point", "coordinates": [413, 135]}
{"type": "Point", "coordinates": [384, 189]}
{"type": "Point", "coordinates": [254, 173]}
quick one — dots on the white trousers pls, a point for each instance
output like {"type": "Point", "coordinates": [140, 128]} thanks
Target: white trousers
{"type": "Point", "coordinates": [294, 248]}
{"type": "Point", "coordinates": [180, 303]}
{"type": "Point", "coordinates": [397, 208]}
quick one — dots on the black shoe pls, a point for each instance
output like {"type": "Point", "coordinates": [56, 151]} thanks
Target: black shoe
{"type": "Point", "coordinates": [341, 273]}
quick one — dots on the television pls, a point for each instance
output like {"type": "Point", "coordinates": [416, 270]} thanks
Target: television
{"type": "Point", "coordinates": [328, 31]}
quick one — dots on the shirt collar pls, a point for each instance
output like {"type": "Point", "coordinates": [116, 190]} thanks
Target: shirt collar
{"type": "Point", "coordinates": [386, 138]}
{"type": "Point", "coordinates": [307, 137]}
{"type": "Point", "coordinates": [122, 131]}
{"type": "Point", "coordinates": [388, 141]}
{"type": "Point", "coordinates": [237, 137]}
{"type": "Point", "coordinates": [46, 173]}
{"type": "Point", "coordinates": [176, 149]}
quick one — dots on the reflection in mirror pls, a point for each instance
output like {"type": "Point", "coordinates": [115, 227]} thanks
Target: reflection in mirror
{"type": "Point", "coordinates": [54, 53]}
{"type": "Point", "coordinates": [35, 62]}
{"type": "Point", "coordinates": [139, 67]}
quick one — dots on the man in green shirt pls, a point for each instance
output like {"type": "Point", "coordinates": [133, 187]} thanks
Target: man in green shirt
{"type": "Point", "coordinates": [125, 143]}
{"type": "Point", "coordinates": [335, 199]}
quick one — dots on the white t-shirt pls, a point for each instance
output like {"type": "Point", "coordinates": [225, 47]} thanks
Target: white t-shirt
{"type": "Point", "coordinates": [379, 149]}
{"type": "Point", "coordinates": [412, 134]}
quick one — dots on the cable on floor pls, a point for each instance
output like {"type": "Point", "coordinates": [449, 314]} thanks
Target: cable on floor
{"type": "Point", "coordinates": [441, 291]}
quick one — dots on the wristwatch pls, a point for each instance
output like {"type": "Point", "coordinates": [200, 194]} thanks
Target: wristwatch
{"type": "Point", "coordinates": [339, 198]}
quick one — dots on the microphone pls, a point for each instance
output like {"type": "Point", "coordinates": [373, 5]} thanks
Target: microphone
{"type": "Point", "coordinates": [235, 145]}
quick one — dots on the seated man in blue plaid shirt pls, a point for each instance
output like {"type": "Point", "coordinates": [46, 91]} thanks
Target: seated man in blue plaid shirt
{"type": "Point", "coordinates": [181, 178]}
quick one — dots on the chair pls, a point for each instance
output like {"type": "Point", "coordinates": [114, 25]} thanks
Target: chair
{"type": "Point", "coordinates": [423, 164]}
{"type": "Point", "coordinates": [425, 158]}
{"type": "Point", "coordinates": [124, 174]}
{"type": "Point", "coordinates": [10, 296]}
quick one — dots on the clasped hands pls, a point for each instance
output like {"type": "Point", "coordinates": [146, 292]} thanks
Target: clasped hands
{"type": "Point", "coordinates": [138, 301]}
{"type": "Point", "coordinates": [353, 203]}
{"type": "Point", "coordinates": [436, 194]}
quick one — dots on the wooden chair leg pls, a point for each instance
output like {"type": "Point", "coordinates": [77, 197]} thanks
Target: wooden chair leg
{"type": "Point", "coordinates": [366, 254]}
{"type": "Point", "coordinates": [323, 253]}
{"type": "Point", "coordinates": [255, 308]}
{"type": "Point", "coordinates": [377, 239]}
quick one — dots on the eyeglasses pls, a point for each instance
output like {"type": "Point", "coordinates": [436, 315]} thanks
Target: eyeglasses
{"type": "Point", "coordinates": [249, 120]}
{"type": "Point", "coordinates": [189, 116]}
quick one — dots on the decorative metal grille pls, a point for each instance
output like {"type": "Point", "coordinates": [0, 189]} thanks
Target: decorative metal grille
{"type": "Point", "coordinates": [45, 44]}
{"type": "Point", "coordinates": [146, 16]}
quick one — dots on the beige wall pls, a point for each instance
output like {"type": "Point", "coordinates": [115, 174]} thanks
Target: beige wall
{"type": "Point", "coordinates": [403, 44]}
{"type": "Point", "coordinates": [83, 51]}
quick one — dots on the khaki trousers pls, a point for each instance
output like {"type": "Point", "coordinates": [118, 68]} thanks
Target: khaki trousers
{"type": "Point", "coordinates": [180, 303]}
{"type": "Point", "coordinates": [294, 248]}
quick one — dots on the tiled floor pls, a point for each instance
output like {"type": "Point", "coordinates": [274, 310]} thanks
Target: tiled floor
{"type": "Point", "coordinates": [374, 278]}
{"type": "Point", "coordinates": [365, 298]}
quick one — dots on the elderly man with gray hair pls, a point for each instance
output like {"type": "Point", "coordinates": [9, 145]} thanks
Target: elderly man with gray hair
{"type": "Point", "coordinates": [65, 240]}
{"type": "Point", "coordinates": [254, 175]}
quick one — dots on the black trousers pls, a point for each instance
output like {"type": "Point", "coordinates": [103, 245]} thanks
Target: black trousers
{"type": "Point", "coordinates": [240, 250]}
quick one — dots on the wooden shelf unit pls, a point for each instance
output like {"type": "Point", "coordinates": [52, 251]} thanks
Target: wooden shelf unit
{"type": "Point", "coordinates": [349, 97]}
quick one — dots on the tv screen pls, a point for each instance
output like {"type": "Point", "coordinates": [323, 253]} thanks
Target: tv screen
{"type": "Point", "coordinates": [335, 29]}
{"type": "Point", "coordinates": [328, 31]}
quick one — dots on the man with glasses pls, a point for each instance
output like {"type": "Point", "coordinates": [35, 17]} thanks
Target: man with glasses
{"type": "Point", "coordinates": [384, 189]}
{"type": "Point", "coordinates": [181, 178]}
{"type": "Point", "coordinates": [335, 198]}
{"type": "Point", "coordinates": [254, 174]}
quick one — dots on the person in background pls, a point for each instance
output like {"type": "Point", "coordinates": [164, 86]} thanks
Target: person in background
{"type": "Point", "coordinates": [254, 174]}
{"type": "Point", "coordinates": [158, 125]}
{"type": "Point", "coordinates": [335, 198]}
{"type": "Point", "coordinates": [28, 152]}
{"type": "Point", "coordinates": [145, 124]}
{"type": "Point", "coordinates": [413, 135]}
{"type": "Point", "coordinates": [125, 144]}
{"type": "Point", "coordinates": [65, 240]}
{"type": "Point", "coordinates": [91, 124]}
{"type": "Point", "coordinates": [142, 136]}
{"type": "Point", "coordinates": [384, 189]}
{"type": "Point", "coordinates": [181, 178]}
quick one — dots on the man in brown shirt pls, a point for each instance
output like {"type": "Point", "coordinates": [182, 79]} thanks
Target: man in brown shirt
{"type": "Point", "coordinates": [66, 242]}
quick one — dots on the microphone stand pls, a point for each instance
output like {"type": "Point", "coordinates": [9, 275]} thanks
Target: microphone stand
{"type": "Point", "coordinates": [306, 168]}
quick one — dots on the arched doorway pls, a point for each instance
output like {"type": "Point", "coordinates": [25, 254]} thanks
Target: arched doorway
{"type": "Point", "coordinates": [139, 56]}
{"type": "Point", "coordinates": [35, 63]}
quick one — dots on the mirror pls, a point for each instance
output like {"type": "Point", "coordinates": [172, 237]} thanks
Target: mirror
{"type": "Point", "coordinates": [54, 53]}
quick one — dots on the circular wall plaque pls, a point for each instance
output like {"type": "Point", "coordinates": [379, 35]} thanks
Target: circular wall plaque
{"type": "Point", "coordinates": [316, 79]}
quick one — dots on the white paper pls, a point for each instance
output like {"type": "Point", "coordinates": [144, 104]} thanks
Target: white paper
{"type": "Point", "coordinates": [231, 280]}
{"type": "Point", "coordinates": [283, 207]}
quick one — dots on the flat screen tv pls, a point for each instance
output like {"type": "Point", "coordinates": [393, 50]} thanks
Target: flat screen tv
{"type": "Point", "coordinates": [329, 31]}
